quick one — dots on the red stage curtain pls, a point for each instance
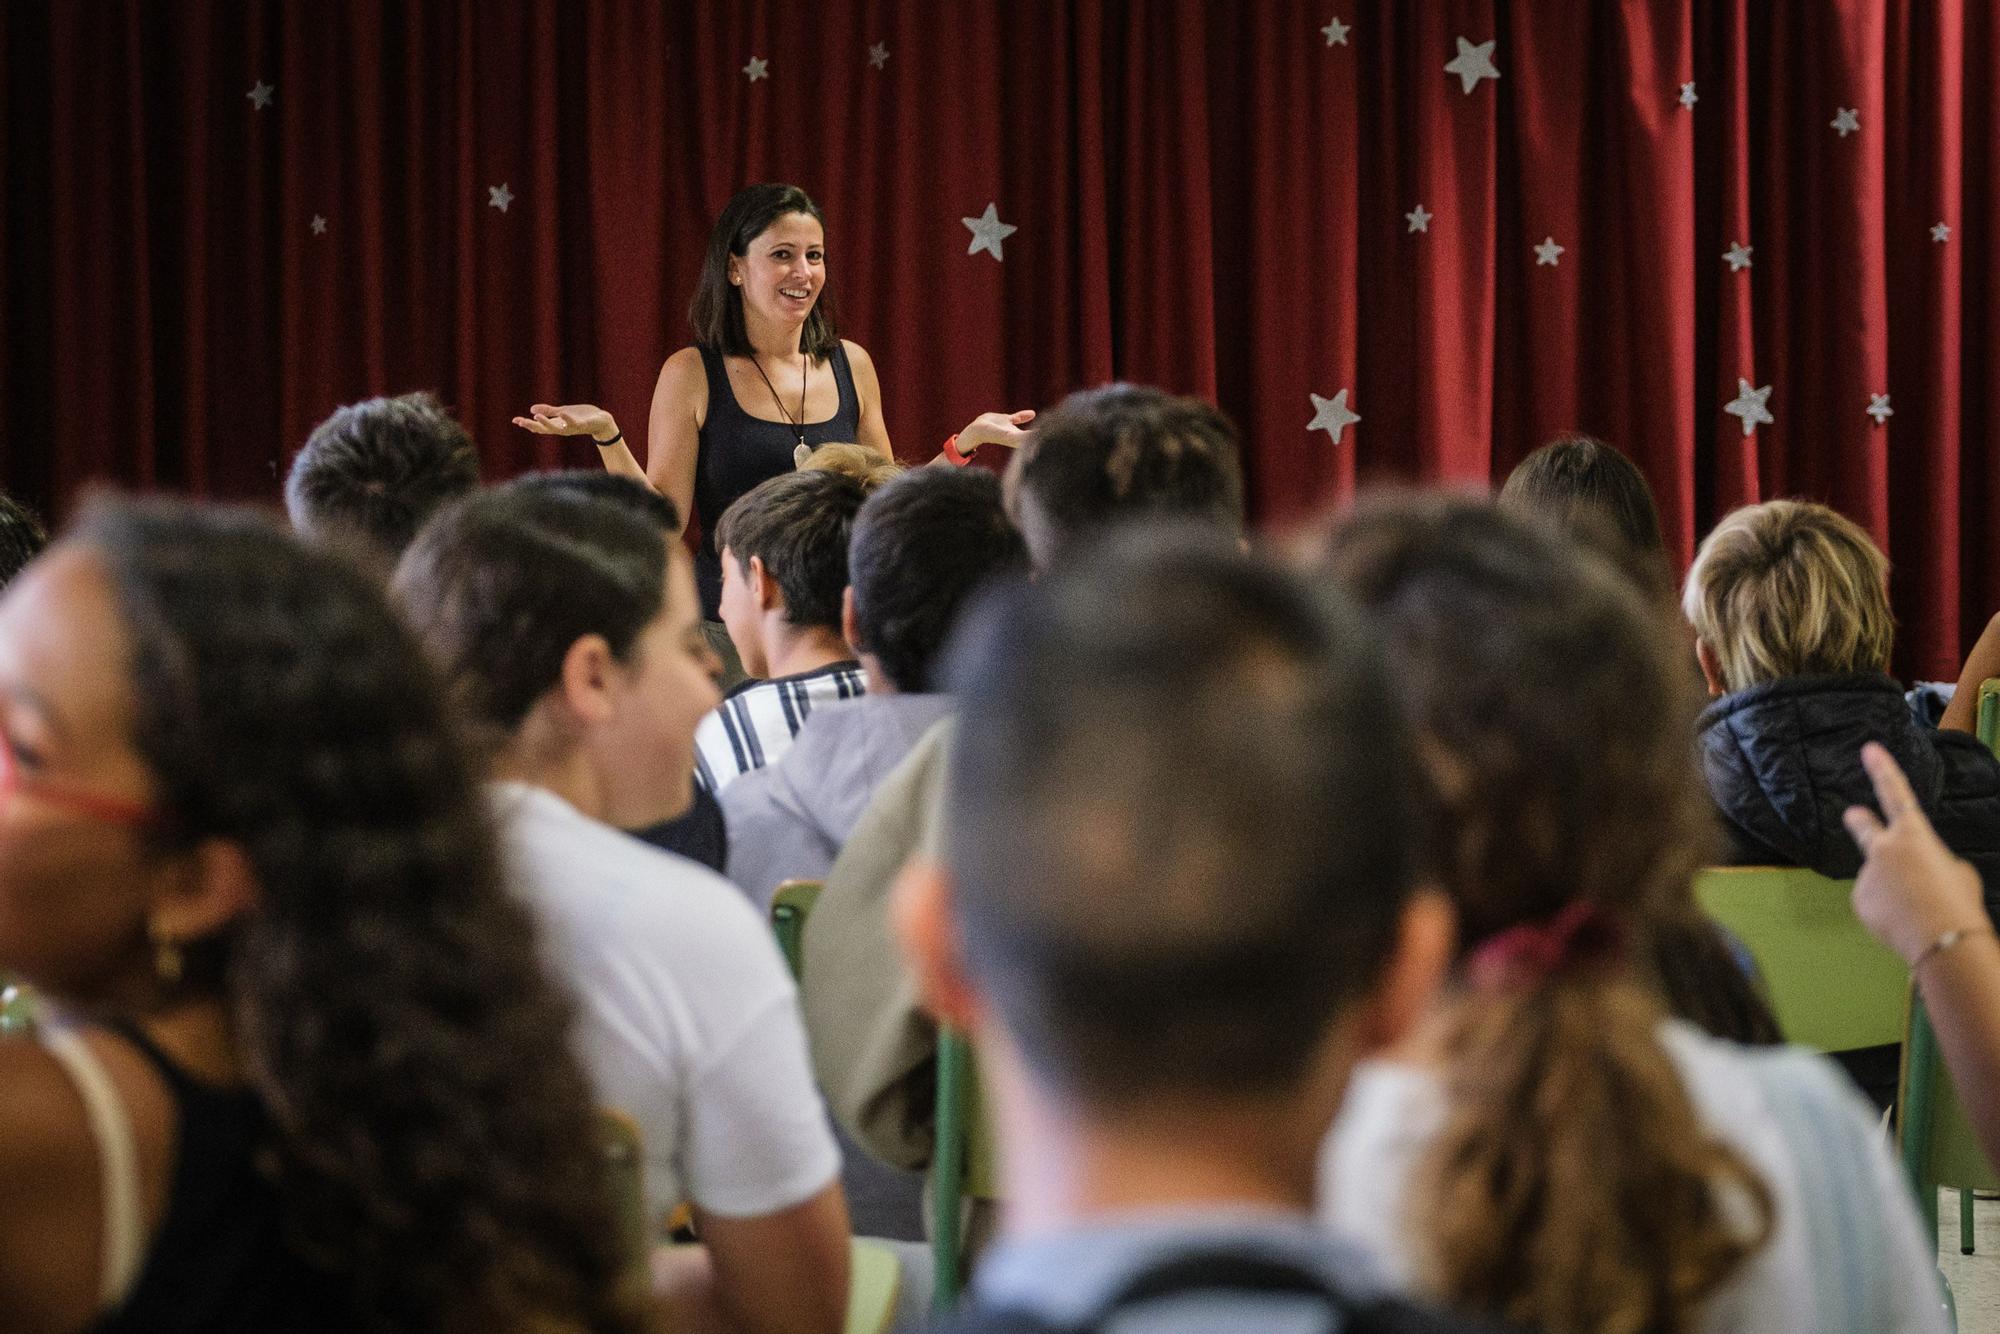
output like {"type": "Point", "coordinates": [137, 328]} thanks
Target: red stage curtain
{"type": "Point", "coordinates": [1210, 197]}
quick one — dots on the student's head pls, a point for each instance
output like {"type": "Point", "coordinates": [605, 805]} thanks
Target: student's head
{"type": "Point", "coordinates": [1591, 491]}
{"type": "Point", "coordinates": [1183, 842]}
{"type": "Point", "coordinates": [376, 470]}
{"type": "Point", "coordinates": [22, 537]}
{"type": "Point", "coordinates": [767, 252]}
{"type": "Point", "coordinates": [784, 559]}
{"type": "Point", "coordinates": [1120, 452]}
{"type": "Point", "coordinates": [921, 546]}
{"type": "Point", "coordinates": [1788, 588]}
{"type": "Point", "coordinates": [567, 624]}
{"type": "Point", "coordinates": [231, 780]}
{"type": "Point", "coordinates": [861, 463]}
{"type": "Point", "coordinates": [1555, 723]}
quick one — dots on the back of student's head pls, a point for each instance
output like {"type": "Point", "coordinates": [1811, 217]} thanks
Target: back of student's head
{"type": "Point", "coordinates": [1790, 588]}
{"type": "Point", "coordinates": [921, 546]}
{"type": "Point", "coordinates": [22, 537]}
{"type": "Point", "coordinates": [1557, 724]}
{"type": "Point", "coordinates": [1596, 494]}
{"type": "Point", "coordinates": [797, 525]}
{"type": "Point", "coordinates": [1119, 452]}
{"type": "Point", "coordinates": [503, 583]}
{"type": "Point", "coordinates": [378, 469]}
{"type": "Point", "coordinates": [1189, 828]}
{"type": "Point", "coordinates": [861, 463]}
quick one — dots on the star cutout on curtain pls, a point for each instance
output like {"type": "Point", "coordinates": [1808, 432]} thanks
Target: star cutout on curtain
{"type": "Point", "coordinates": [1878, 408]}
{"type": "Point", "coordinates": [1846, 121]}
{"type": "Point", "coordinates": [878, 55]}
{"type": "Point", "coordinates": [318, 225]}
{"type": "Point", "coordinates": [988, 232]}
{"type": "Point", "coordinates": [1548, 252]}
{"type": "Point", "coordinates": [1688, 96]}
{"type": "Point", "coordinates": [758, 68]}
{"type": "Point", "coordinates": [260, 94]}
{"type": "Point", "coordinates": [1737, 256]}
{"type": "Point", "coordinates": [1420, 218]}
{"type": "Point", "coordinates": [1941, 233]}
{"type": "Point", "coordinates": [1473, 63]}
{"type": "Point", "coordinates": [1751, 405]}
{"type": "Point", "coordinates": [1332, 415]}
{"type": "Point", "coordinates": [1335, 32]}
{"type": "Point", "coordinates": [499, 196]}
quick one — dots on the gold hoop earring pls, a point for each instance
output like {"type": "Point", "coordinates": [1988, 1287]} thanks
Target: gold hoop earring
{"type": "Point", "coordinates": [167, 959]}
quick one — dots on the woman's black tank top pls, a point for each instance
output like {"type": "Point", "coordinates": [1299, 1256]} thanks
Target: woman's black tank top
{"type": "Point", "coordinates": [737, 451]}
{"type": "Point", "coordinates": [219, 1260]}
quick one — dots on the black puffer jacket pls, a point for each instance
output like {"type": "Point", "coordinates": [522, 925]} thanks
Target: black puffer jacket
{"type": "Point", "coordinates": [1783, 761]}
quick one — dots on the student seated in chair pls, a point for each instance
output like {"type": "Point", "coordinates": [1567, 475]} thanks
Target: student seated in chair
{"type": "Point", "coordinates": [371, 474]}
{"type": "Point", "coordinates": [1182, 904]}
{"type": "Point", "coordinates": [1790, 606]}
{"type": "Point", "coordinates": [784, 571]}
{"type": "Point", "coordinates": [567, 623]}
{"type": "Point", "coordinates": [921, 546]}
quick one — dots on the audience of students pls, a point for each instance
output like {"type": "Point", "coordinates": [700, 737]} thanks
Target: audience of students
{"type": "Point", "coordinates": [1790, 608]}
{"type": "Point", "coordinates": [373, 472]}
{"type": "Point", "coordinates": [1548, 1147]}
{"type": "Point", "coordinates": [784, 573]}
{"type": "Point", "coordinates": [920, 547]}
{"type": "Point", "coordinates": [567, 625]}
{"type": "Point", "coordinates": [300, 1066]}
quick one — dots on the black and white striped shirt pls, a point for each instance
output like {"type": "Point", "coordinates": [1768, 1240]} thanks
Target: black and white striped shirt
{"type": "Point", "coordinates": [756, 723]}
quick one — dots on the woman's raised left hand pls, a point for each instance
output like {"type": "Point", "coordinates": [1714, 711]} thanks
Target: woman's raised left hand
{"type": "Point", "coordinates": [995, 428]}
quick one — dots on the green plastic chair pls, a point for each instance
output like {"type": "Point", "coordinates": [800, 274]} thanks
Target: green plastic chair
{"type": "Point", "coordinates": [1989, 714]}
{"type": "Point", "coordinates": [17, 1007]}
{"type": "Point", "coordinates": [874, 1281]}
{"type": "Point", "coordinates": [1832, 986]}
{"type": "Point", "coordinates": [624, 1169]}
{"type": "Point", "coordinates": [964, 1162]}
{"type": "Point", "coordinates": [1937, 1143]}
{"type": "Point", "coordinates": [790, 907]}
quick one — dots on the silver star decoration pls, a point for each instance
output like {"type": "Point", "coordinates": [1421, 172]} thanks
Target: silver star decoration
{"type": "Point", "coordinates": [1941, 233]}
{"type": "Point", "coordinates": [1548, 252]}
{"type": "Point", "coordinates": [1332, 415]}
{"type": "Point", "coordinates": [318, 225]}
{"type": "Point", "coordinates": [1420, 218]}
{"type": "Point", "coordinates": [1688, 97]}
{"type": "Point", "coordinates": [988, 232]}
{"type": "Point", "coordinates": [1878, 408]}
{"type": "Point", "coordinates": [1737, 256]}
{"type": "Point", "coordinates": [499, 196]}
{"type": "Point", "coordinates": [1335, 32]}
{"type": "Point", "coordinates": [878, 54]}
{"type": "Point", "coordinates": [1751, 405]}
{"type": "Point", "coordinates": [758, 68]}
{"type": "Point", "coordinates": [260, 94]}
{"type": "Point", "coordinates": [1846, 121]}
{"type": "Point", "coordinates": [1473, 63]}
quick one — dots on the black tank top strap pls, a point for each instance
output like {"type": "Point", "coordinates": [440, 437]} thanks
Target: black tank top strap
{"type": "Point", "coordinates": [850, 398]}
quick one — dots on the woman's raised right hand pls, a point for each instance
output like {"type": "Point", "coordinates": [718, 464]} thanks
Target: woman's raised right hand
{"type": "Point", "coordinates": [570, 419]}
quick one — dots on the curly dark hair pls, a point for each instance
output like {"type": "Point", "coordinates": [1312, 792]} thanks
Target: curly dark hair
{"type": "Point", "coordinates": [22, 537]}
{"type": "Point", "coordinates": [433, 1137]}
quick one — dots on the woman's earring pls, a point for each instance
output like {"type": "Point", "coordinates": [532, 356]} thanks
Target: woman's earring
{"type": "Point", "coordinates": [167, 959]}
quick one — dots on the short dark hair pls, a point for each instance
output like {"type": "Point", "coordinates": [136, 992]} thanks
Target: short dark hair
{"type": "Point", "coordinates": [1123, 450]}
{"type": "Point", "coordinates": [595, 483]}
{"type": "Point", "coordinates": [923, 544]}
{"type": "Point", "coordinates": [378, 469]}
{"type": "Point", "coordinates": [1576, 474]}
{"type": "Point", "coordinates": [1192, 831]}
{"type": "Point", "coordinates": [22, 537]}
{"type": "Point", "coordinates": [716, 312]}
{"type": "Point", "coordinates": [502, 584]}
{"type": "Point", "coordinates": [798, 524]}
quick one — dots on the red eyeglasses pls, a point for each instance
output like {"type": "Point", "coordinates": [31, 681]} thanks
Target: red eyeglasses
{"type": "Point", "coordinates": [76, 801]}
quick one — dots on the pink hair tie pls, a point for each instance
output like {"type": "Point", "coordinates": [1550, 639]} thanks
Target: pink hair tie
{"type": "Point", "coordinates": [1534, 951]}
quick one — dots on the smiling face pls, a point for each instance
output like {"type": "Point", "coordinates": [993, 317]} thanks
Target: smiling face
{"type": "Point", "coordinates": [782, 270]}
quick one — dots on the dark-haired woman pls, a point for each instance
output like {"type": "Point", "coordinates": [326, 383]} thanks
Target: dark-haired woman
{"type": "Point", "coordinates": [768, 377]}
{"type": "Point", "coordinates": [303, 1069]}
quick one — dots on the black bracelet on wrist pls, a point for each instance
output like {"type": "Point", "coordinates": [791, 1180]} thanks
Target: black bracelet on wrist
{"type": "Point", "coordinates": [606, 444]}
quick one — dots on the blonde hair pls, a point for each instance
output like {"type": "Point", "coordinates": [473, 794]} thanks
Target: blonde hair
{"type": "Point", "coordinates": [1790, 588]}
{"type": "Point", "coordinates": [864, 465]}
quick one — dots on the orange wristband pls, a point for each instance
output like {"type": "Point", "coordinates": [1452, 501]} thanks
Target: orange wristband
{"type": "Point", "coordinates": [951, 454]}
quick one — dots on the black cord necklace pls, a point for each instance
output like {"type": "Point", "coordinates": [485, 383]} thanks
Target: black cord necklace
{"type": "Point", "coordinates": [805, 366]}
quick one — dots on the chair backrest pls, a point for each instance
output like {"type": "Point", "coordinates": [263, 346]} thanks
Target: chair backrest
{"type": "Point", "coordinates": [624, 1170]}
{"type": "Point", "coordinates": [1989, 714]}
{"type": "Point", "coordinates": [790, 907]}
{"type": "Point", "coordinates": [1830, 983]}
{"type": "Point", "coordinates": [1936, 1142]}
{"type": "Point", "coordinates": [964, 1161]}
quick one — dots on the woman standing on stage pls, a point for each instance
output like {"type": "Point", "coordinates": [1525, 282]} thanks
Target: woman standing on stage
{"type": "Point", "coordinates": [768, 378]}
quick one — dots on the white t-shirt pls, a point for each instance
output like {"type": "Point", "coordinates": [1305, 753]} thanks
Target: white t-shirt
{"type": "Point", "coordinates": [688, 1021]}
{"type": "Point", "coordinates": [1846, 1250]}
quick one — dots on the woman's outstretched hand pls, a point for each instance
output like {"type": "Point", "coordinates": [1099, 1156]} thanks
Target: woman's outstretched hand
{"type": "Point", "coordinates": [570, 419]}
{"type": "Point", "coordinates": [995, 428]}
{"type": "Point", "coordinates": [1911, 889]}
